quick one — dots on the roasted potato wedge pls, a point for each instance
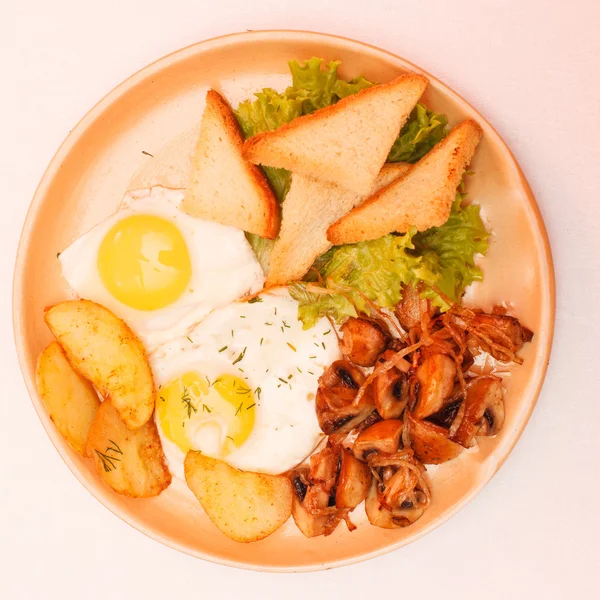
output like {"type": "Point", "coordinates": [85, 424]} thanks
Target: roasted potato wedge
{"type": "Point", "coordinates": [102, 348]}
{"type": "Point", "coordinates": [70, 400]}
{"type": "Point", "coordinates": [131, 462]}
{"type": "Point", "coordinates": [245, 506]}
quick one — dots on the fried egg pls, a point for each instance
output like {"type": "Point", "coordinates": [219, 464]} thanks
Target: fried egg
{"type": "Point", "coordinates": [159, 269]}
{"type": "Point", "coordinates": [241, 386]}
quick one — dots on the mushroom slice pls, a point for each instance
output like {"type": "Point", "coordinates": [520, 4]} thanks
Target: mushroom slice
{"type": "Point", "coordinates": [335, 406]}
{"type": "Point", "coordinates": [484, 411]}
{"type": "Point", "coordinates": [436, 381]}
{"type": "Point", "coordinates": [311, 525]}
{"type": "Point", "coordinates": [353, 483]}
{"type": "Point", "coordinates": [412, 498]}
{"type": "Point", "coordinates": [363, 340]}
{"type": "Point", "coordinates": [381, 438]}
{"type": "Point", "coordinates": [430, 442]}
{"type": "Point", "coordinates": [390, 393]}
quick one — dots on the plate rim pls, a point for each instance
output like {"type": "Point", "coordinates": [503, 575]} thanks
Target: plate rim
{"type": "Point", "coordinates": [79, 129]}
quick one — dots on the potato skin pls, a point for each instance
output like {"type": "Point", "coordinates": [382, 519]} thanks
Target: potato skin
{"type": "Point", "coordinates": [131, 462]}
{"type": "Point", "coordinates": [245, 506]}
{"type": "Point", "coordinates": [70, 400]}
{"type": "Point", "coordinates": [103, 349]}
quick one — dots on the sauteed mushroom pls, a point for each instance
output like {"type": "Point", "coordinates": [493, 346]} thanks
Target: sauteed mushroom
{"type": "Point", "coordinates": [313, 507]}
{"type": "Point", "coordinates": [363, 340]}
{"type": "Point", "coordinates": [390, 391]}
{"type": "Point", "coordinates": [430, 442]}
{"type": "Point", "coordinates": [381, 438]}
{"type": "Point", "coordinates": [353, 483]}
{"type": "Point", "coordinates": [335, 406]}
{"type": "Point", "coordinates": [399, 494]}
{"type": "Point", "coordinates": [483, 412]}
{"type": "Point", "coordinates": [436, 376]}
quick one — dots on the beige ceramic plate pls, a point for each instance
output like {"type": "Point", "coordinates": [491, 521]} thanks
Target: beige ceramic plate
{"type": "Point", "coordinates": [157, 112]}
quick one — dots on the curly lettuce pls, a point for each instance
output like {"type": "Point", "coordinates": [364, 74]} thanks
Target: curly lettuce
{"type": "Point", "coordinates": [450, 251]}
{"type": "Point", "coordinates": [352, 276]}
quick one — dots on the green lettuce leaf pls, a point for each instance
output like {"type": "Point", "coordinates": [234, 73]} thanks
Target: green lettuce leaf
{"type": "Point", "coordinates": [450, 251]}
{"type": "Point", "coordinates": [355, 274]}
{"type": "Point", "coordinates": [441, 258]}
{"type": "Point", "coordinates": [423, 130]}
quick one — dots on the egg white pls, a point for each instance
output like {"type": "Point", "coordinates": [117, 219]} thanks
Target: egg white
{"type": "Point", "coordinates": [275, 346]}
{"type": "Point", "coordinates": [224, 267]}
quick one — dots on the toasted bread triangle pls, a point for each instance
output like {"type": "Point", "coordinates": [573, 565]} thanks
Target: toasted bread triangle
{"type": "Point", "coordinates": [223, 186]}
{"type": "Point", "coordinates": [346, 143]}
{"type": "Point", "coordinates": [421, 198]}
{"type": "Point", "coordinates": [310, 207]}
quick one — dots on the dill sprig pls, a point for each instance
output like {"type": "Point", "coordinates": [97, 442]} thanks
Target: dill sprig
{"type": "Point", "coordinates": [186, 399]}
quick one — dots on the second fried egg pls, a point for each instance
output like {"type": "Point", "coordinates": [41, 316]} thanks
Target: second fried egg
{"type": "Point", "coordinates": [241, 386]}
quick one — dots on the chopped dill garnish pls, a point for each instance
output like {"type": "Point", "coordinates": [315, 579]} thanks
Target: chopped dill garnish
{"type": "Point", "coordinates": [251, 406]}
{"type": "Point", "coordinates": [240, 356]}
{"type": "Point", "coordinates": [292, 346]}
{"type": "Point", "coordinates": [239, 408]}
{"type": "Point", "coordinates": [57, 254]}
{"type": "Point", "coordinates": [185, 398]}
{"type": "Point", "coordinates": [223, 349]}
{"type": "Point", "coordinates": [162, 398]}
{"type": "Point", "coordinates": [275, 311]}
{"type": "Point", "coordinates": [268, 324]}
{"type": "Point", "coordinates": [189, 338]}
{"type": "Point", "coordinates": [108, 461]}
{"type": "Point", "coordinates": [261, 341]}
{"type": "Point", "coordinates": [258, 391]}
{"type": "Point", "coordinates": [315, 343]}
{"type": "Point", "coordinates": [148, 154]}
{"type": "Point", "coordinates": [323, 344]}
{"type": "Point", "coordinates": [206, 408]}
{"type": "Point", "coordinates": [286, 325]}
{"type": "Point", "coordinates": [299, 369]}
{"type": "Point", "coordinates": [311, 372]}
{"type": "Point", "coordinates": [242, 316]}
{"type": "Point", "coordinates": [290, 376]}
{"type": "Point", "coordinates": [256, 299]}
{"type": "Point", "coordinates": [232, 333]}
{"type": "Point", "coordinates": [229, 438]}
{"type": "Point", "coordinates": [312, 357]}
{"type": "Point", "coordinates": [329, 331]}
{"type": "Point", "coordinates": [282, 380]}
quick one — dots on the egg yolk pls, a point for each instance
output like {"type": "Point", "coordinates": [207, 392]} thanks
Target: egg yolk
{"type": "Point", "coordinates": [144, 262]}
{"type": "Point", "coordinates": [214, 417]}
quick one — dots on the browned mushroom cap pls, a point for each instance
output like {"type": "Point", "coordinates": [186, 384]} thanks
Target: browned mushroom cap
{"type": "Point", "coordinates": [335, 407]}
{"type": "Point", "coordinates": [353, 483]}
{"type": "Point", "coordinates": [484, 411]}
{"type": "Point", "coordinates": [436, 381]}
{"type": "Point", "coordinates": [382, 437]}
{"type": "Point", "coordinates": [363, 340]}
{"type": "Point", "coordinates": [430, 442]}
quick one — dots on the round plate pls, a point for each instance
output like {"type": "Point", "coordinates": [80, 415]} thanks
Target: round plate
{"type": "Point", "coordinates": [141, 134]}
